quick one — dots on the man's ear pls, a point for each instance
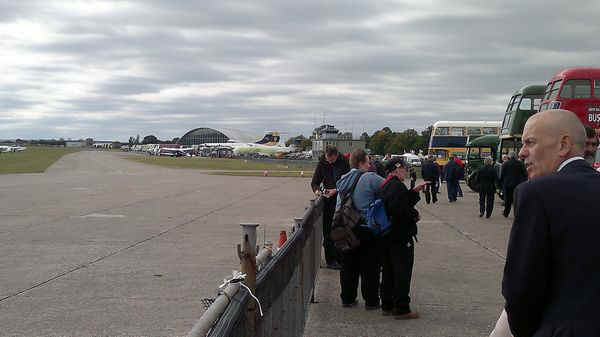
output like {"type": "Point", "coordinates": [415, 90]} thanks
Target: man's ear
{"type": "Point", "coordinates": [565, 145]}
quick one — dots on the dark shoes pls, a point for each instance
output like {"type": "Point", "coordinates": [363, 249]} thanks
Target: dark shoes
{"type": "Point", "coordinates": [350, 305]}
{"type": "Point", "coordinates": [480, 215]}
{"type": "Point", "coordinates": [335, 266]}
{"type": "Point", "coordinates": [410, 315]}
{"type": "Point", "coordinates": [487, 216]}
{"type": "Point", "coordinates": [505, 213]}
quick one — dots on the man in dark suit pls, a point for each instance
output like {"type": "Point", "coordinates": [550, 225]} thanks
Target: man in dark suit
{"type": "Point", "coordinates": [487, 187]}
{"type": "Point", "coordinates": [430, 172]}
{"type": "Point", "coordinates": [552, 269]}
{"type": "Point", "coordinates": [512, 174]}
{"type": "Point", "coordinates": [452, 173]}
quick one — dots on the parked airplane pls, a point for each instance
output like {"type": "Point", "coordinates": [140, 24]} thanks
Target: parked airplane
{"type": "Point", "coordinates": [4, 148]}
{"type": "Point", "coordinates": [269, 145]}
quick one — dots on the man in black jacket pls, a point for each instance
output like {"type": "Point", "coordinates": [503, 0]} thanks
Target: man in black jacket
{"type": "Point", "coordinates": [397, 246]}
{"type": "Point", "coordinates": [430, 172]}
{"type": "Point", "coordinates": [487, 187]}
{"type": "Point", "coordinates": [552, 269]}
{"type": "Point", "coordinates": [452, 174]}
{"type": "Point", "coordinates": [330, 168]}
{"type": "Point", "coordinates": [512, 174]}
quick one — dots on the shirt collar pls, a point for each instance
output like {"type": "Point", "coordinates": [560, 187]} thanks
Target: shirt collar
{"type": "Point", "coordinates": [564, 163]}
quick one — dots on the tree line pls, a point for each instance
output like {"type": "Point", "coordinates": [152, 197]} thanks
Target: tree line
{"type": "Point", "coordinates": [151, 139]}
{"type": "Point", "coordinates": [382, 141]}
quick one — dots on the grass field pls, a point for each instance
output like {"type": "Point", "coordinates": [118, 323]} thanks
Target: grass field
{"type": "Point", "coordinates": [227, 165]}
{"type": "Point", "coordinates": [286, 174]}
{"type": "Point", "coordinates": [33, 160]}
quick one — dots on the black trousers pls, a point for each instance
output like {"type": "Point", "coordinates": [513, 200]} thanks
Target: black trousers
{"type": "Point", "coordinates": [486, 203]}
{"type": "Point", "coordinates": [508, 192]}
{"type": "Point", "coordinates": [459, 189]}
{"type": "Point", "coordinates": [431, 191]}
{"type": "Point", "coordinates": [398, 260]}
{"type": "Point", "coordinates": [330, 251]}
{"type": "Point", "coordinates": [452, 186]}
{"type": "Point", "coordinates": [360, 262]}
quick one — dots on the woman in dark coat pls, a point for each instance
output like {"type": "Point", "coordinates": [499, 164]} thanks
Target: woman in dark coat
{"type": "Point", "coordinates": [397, 246]}
{"type": "Point", "coordinates": [487, 187]}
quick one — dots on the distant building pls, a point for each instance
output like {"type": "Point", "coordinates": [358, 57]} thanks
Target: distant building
{"type": "Point", "coordinates": [328, 135]}
{"type": "Point", "coordinates": [103, 144]}
{"type": "Point", "coordinates": [208, 135]}
{"type": "Point", "coordinates": [75, 143]}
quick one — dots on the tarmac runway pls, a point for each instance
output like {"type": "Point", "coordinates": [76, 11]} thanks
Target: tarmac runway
{"type": "Point", "coordinates": [99, 245]}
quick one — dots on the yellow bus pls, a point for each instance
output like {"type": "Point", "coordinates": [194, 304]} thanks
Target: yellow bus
{"type": "Point", "coordinates": [449, 138]}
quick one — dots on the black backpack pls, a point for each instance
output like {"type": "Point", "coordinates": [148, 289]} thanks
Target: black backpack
{"type": "Point", "coordinates": [345, 219]}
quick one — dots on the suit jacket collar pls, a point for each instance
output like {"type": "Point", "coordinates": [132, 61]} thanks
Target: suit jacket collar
{"type": "Point", "coordinates": [575, 166]}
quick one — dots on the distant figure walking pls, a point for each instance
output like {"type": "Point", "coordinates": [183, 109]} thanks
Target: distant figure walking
{"type": "Point", "coordinates": [452, 174]}
{"type": "Point", "coordinates": [487, 187]}
{"type": "Point", "coordinates": [512, 174]}
{"type": "Point", "coordinates": [413, 177]}
{"type": "Point", "coordinates": [461, 175]}
{"type": "Point", "coordinates": [430, 171]}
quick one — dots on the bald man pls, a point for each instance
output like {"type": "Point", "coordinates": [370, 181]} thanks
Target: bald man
{"type": "Point", "coordinates": [552, 274]}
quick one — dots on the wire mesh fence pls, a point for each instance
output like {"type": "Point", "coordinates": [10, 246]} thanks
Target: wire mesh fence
{"type": "Point", "coordinates": [284, 285]}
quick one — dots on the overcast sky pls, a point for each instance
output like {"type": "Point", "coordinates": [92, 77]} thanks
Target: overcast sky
{"type": "Point", "coordinates": [114, 69]}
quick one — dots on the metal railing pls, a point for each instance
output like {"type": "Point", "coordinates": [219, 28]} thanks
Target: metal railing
{"type": "Point", "coordinates": [284, 285]}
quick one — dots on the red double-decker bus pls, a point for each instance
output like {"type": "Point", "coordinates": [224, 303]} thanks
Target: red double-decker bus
{"type": "Point", "coordinates": [577, 90]}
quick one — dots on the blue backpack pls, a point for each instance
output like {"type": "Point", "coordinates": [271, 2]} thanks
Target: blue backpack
{"type": "Point", "coordinates": [377, 220]}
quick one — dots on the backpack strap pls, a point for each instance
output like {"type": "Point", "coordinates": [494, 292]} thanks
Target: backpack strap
{"type": "Point", "coordinates": [346, 194]}
{"type": "Point", "coordinates": [351, 190]}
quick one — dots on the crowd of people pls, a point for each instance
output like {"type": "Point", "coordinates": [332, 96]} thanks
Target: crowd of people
{"type": "Point", "coordinates": [383, 264]}
{"type": "Point", "coordinates": [551, 269]}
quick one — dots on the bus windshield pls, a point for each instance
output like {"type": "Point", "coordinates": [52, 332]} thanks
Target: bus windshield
{"type": "Point", "coordinates": [576, 90]}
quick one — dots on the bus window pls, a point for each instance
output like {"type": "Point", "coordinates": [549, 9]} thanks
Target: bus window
{"type": "Point", "coordinates": [554, 92]}
{"type": "Point", "coordinates": [576, 89]}
{"type": "Point", "coordinates": [474, 131]}
{"type": "Point", "coordinates": [439, 153]}
{"type": "Point", "coordinates": [442, 131]}
{"type": "Point", "coordinates": [597, 88]}
{"type": "Point", "coordinates": [506, 121]}
{"type": "Point", "coordinates": [515, 103]}
{"type": "Point", "coordinates": [547, 93]}
{"type": "Point", "coordinates": [525, 104]}
{"type": "Point", "coordinates": [490, 131]}
{"type": "Point", "coordinates": [512, 99]}
{"type": "Point", "coordinates": [457, 131]}
{"type": "Point", "coordinates": [536, 104]}
{"type": "Point", "coordinates": [473, 153]}
{"type": "Point", "coordinates": [448, 141]}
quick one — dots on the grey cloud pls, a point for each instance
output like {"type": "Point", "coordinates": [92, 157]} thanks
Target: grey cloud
{"type": "Point", "coordinates": [129, 86]}
{"type": "Point", "coordinates": [463, 64]}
